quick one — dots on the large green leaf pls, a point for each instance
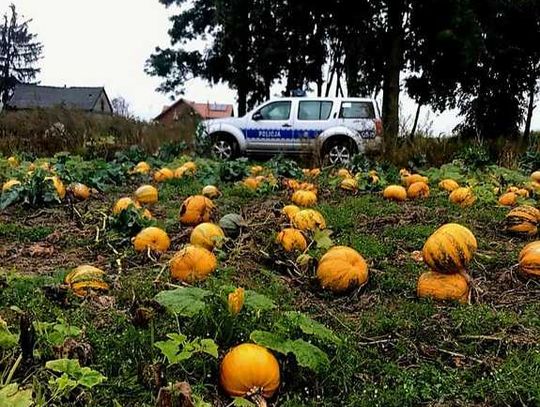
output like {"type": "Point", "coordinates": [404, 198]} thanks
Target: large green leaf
{"type": "Point", "coordinates": [84, 376]}
{"type": "Point", "coordinates": [11, 396]}
{"type": "Point", "coordinates": [307, 355]}
{"type": "Point", "coordinates": [186, 301]}
{"type": "Point", "coordinates": [177, 348]}
{"type": "Point", "coordinates": [257, 302]}
{"type": "Point", "coordinates": [311, 327]}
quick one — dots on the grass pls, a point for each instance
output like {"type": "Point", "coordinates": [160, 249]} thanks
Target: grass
{"type": "Point", "coordinates": [395, 350]}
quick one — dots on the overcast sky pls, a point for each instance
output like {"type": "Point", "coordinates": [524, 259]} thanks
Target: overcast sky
{"type": "Point", "coordinates": [106, 43]}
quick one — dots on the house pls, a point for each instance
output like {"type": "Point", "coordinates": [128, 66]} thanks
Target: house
{"type": "Point", "coordinates": [92, 100]}
{"type": "Point", "coordinates": [184, 110]}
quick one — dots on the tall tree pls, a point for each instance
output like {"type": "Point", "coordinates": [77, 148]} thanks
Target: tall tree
{"type": "Point", "coordinates": [19, 52]}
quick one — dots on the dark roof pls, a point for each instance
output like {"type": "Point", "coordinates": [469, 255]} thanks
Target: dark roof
{"type": "Point", "coordinates": [33, 96]}
{"type": "Point", "coordinates": [205, 110]}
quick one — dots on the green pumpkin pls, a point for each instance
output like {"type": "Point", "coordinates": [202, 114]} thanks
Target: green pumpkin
{"type": "Point", "coordinates": [232, 224]}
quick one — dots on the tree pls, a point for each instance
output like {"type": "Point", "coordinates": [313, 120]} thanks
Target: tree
{"type": "Point", "coordinates": [19, 52]}
{"type": "Point", "coordinates": [121, 107]}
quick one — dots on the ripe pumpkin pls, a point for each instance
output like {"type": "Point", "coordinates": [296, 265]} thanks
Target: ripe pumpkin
{"type": "Point", "coordinates": [147, 214]}
{"type": "Point", "coordinates": [152, 238]}
{"type": "Point", "coordinates": [290, 210]}
{"type": "Point", "coordinates": [344, 173]}
{"type": "Point", "coordinates": [124, 203]}
{"type": "Point", "coordinates": [196, 209]}
{"type": "Point", "coordinates": [291, 239]}
{"type": "Point", "coordinates": [192, 263]}
{"type": "Point", "coordinates": [146, 194]}
{"type": "Point", "coordinates": [349, 184]}
{"type": "Point", "coordinates": [235, 301]}
{"type": "Point", "coordinates": [404, 173]}
{"type": "Point", "coordinates": [304, 198]}
{"type": "Point", "coordinates": [232, 224]}
{"type": "Point", "coordinates": [341, 269]}
{"type": "Point", "coordinates": [411, 179]}
{"type": "Point", "coordinates": [535, 176]}
{"type": "Point", "coordinates": [179, 172]}
{"type": "Point", "coordinates": [308, 220]}
{"type": "Point", "coordinates": [311, 173]}
{"type": "Point", "coordinates": [523, 220]}
{"type": "Point", "coordinates": [141, 168]}
{"type": "Point", "coordinates": [252, 183]}
{"type": "Point", "coordinates": [164, 174]}
{"type": "Point", "coordinates": [10, 184]}
{"type": "Point", "coordinates": [84, 279]}
{"type": "Point", "coordinates": [80, 191]}
{"type": "Point", "coordinates": [210, 191]}
{"type": "Point", "coordinates": [522, 192]}
{"type": "Point", "coordinates": [395, 193]}
{"type": "Point", "coordinates": [256, 170]}
{"type": "Point", "coordinates": [508, 199]}
{"type": "Point", "coordinates": [448, 185]}
{"type": "Point", "coordinates": [443, 286]}
{"type": "Point", "coordinates": [58, 186]}
{"type": "Point", "coordinates": [190, 167]}
{"type": "Point", "coordinates": [13, 161]}
{"type": "Point", "coordinates": [449, 249]}
{"type": "Point", "coordinates": [249, 369]}
{"type": "Point", "coordinates": [462, 196]}
{"type": "Point", "coordinates": [418, 190]}
{"type": "Point", "coordinates": [529, 260]}
{"type": "Point", "coordinates": [207, 235]}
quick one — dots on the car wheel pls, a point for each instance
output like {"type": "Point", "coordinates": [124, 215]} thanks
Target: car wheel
{"type": "Point", "coordinates": [339, 152]}
{"type": "Point", "coordinates": [224, 148]}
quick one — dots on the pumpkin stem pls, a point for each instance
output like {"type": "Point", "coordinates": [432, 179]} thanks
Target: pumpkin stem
{"type": "Point", "coordinates": [259, 400]}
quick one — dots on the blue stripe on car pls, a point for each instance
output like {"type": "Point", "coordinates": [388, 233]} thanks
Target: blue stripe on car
{"type": "Point", "coordinates": [273, 134]}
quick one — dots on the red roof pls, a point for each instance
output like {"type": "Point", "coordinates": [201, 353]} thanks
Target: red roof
{"type": "Point", "coordinates": [205, 110]}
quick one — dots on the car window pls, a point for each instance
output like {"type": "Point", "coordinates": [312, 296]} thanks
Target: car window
{"type": "Point", "coordinates": [276, 111]}
{"type": "Point", "coordinates": [314, 110]}
{"type": "Point", "coordinates": [357, 110]}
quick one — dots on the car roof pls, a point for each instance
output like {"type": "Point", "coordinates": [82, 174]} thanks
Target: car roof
{"type": "Point", "coordinates": [317, 98]}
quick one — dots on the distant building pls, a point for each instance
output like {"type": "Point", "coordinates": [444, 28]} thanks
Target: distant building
{"type": "Point", "coordinates": [93, 100]}
{"type": "Point", "coordinates": [184, 110]}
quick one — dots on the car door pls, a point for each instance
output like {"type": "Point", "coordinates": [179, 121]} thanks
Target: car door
{"type": "Point", "coordinates": [359, 116]}
{"type": "Point", "coordinates": [312, 119]}
{"type": "Point", "coordinates": [271, 127]}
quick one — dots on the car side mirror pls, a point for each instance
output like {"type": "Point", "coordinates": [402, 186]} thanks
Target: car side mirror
{"type": "Point", "coordinates": [257, 116]}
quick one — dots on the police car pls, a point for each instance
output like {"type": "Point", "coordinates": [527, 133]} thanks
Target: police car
{"type": "Point", "coordinates": [333, 128]}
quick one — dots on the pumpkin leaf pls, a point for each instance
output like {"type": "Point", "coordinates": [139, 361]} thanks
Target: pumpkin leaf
{"type": "Point", "coordinates": [186, 301]}
{"type": "Point", "coordinates": [177, 348]}
{"type": "Point", "coordinates": [242, 402]}
{"type": "Point", "coordinates": [84, 376]}
{"type": "Point", "coordinates": [308, 355]}
{"type": "Point", "coordinates": [257, 302]}
{"type": "Point", "coordinates": [7, 339]}
{"type": "Point", "coordinates": [10, 395]}
{"type": "Point", "coordinates": [210, 347]}
{"type": "Point", "coordinates": [322, 238]}
{"type": "Point", "coordinates": [312, 327]}
{"type": "Point", "coordinates": [271, 341]}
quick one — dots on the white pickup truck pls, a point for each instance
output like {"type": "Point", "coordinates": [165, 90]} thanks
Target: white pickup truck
{"type": "Point", "coordinates": [333, 128]}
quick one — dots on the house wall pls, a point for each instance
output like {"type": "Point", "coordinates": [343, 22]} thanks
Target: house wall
{"type": "Point", "coordinates": [102, 105]}
{"type": "Point", "coordinates": [182, 112]}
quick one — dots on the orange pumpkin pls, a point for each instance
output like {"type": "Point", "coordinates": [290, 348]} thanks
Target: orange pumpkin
{"type": "Point", "coordinates": [249, 369]}
{"type": "Point", "coordinates": [448, 185]}
{"type": "Point", "coordinates": [411, 179]}
{"type": "Point", "coordinates": [508, 199]}
{"type": "Point", "coordinates": [529, 260]}
{"type": "Point", "coordinates": [80, 191]}
{"type": "Point", "coordinates": [395, 193]}
{"type": "Point", "coordinates": [164, 174]}
{"type": "Point", "coordinates": [85, 279]}
{"type": "Point", "coordinates": [146, 194]}
{"type": "Point", "coordinates": [290, 210]}
{"type": "Point", "coordinates": [522, 192]}
{"type": "Point", "coordinates": [418, 190]}
{"type": "Point", "coordinates": [535, 176]}
{"type": "Point", "coordinates": [291, 239]}
{"type": "Point", "coordinates": [196, 209]}
{"type": "Point", "coordinates": [344, 173]}
{"type": "Point", "coordinates": [304, 198]}
{"type": "Point", "coordinates": [207, 235]}
{"type": "Point", "coordinates": [152, 238]}
{"type": "Point", "coordinates": [523, 220]}
{"type": "Point", "coordinates": [210, 191]}
{"type": "Point", "coordinates": [449, 249]}
{"type": "Point", "coordinates": [141, 168]}
{"type": "Point", "coordinates": [349, 184]}
{"type": "Point", "coordinates": [443, 286]}
{"type": "Point", "coordinates": [341, 269]}
{"type": "Point", "coordinates": [252, 183]}
{"type": "Point", "coordinates": [192, 263]}
{"type": "Point", "coordinates": [463, 197]}
{"type": "Point", "coordinates": [308, 220]}
{"type": "Point", "coordinates": [124, 203]}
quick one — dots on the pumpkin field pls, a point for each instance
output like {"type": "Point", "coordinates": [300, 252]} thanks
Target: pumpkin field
{"type": "Point", "coordinates": [154, 280]}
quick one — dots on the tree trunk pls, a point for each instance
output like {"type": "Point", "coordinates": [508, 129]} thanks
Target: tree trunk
{"type": "Point", "coordinates": [530, 110]}
{"type": "Point", "coordinates": [242, 100]}
{"type": "Point", "coordinates": [392, 70]}
{"type": "Point", "coordinates": [415, 124]}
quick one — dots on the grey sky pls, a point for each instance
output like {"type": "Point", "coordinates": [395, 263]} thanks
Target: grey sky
{"type": "Point", "coordinates": [106, 43]}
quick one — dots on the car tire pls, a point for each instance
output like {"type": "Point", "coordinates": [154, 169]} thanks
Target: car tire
{"type": "Point", "coordinates": [224, 147]}
{"type": "Point", "coordinates": [339, 152]}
